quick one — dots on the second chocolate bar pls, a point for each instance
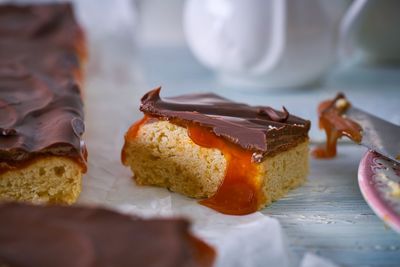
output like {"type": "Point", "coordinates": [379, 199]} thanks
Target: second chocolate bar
{"type": "Point", "coordinates": [42, 154]}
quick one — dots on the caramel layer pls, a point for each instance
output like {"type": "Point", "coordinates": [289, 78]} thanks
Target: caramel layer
{"type": "Point", "coordinates": [240, 192]}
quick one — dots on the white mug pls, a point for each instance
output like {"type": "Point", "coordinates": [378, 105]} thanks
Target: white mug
{"type": "Point", "coordinates": [264, 43]}
{"type": "Point", "coordinates": [370, 32]}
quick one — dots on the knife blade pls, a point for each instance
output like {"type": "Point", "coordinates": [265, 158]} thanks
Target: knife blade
{"type": "Point", "coordinates": [378, 134]}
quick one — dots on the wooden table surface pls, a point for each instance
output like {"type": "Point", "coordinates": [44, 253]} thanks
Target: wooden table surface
{"type": "Point", "coordinates": [328, 215]}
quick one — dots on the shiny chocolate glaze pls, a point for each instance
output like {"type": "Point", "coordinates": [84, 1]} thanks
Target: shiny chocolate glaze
{"type": "Point", "coordinates": [41, 110]}
{"type": "Point", "coordinates": [261, 129]}
{"type": "Point", "coordinates": [38, 116]}
{"type": "Point", "coordinates": [51, 60]}
{"type": "Point", "coordinates": [94, 237]}
{"type": "Point", "coordinates": [50, 23]}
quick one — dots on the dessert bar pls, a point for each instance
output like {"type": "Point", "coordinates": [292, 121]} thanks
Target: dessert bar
{"type": "Point", "coordinates": [42, 155]}
{"type": "Point", "coordinates": [235, 157]}
{"type": "Point", "coordinates": [58, 236]}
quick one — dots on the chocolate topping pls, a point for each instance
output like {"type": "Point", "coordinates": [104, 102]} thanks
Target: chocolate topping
{"type": "Point", "coordinates": [18, 59]}
{"type": "Point", "coordinates": [38, 115]}
{"type": "Point", "coordinates": [94, 237]}
{"type": "Point", "coordinates": [263, 130]}
{"type": "Point", "coordinates": [41, 110]}
{"type": "Point", "coordinates": [51, 23]}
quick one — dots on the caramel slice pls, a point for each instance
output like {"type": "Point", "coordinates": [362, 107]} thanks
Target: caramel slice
{"type": "Point", "coordinates": [236, 157]}
{"type": "Point", "coordinates": [42, 154]}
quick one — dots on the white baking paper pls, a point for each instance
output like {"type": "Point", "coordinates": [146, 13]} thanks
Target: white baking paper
{"type": "Point", "coordinates": [312, 260]}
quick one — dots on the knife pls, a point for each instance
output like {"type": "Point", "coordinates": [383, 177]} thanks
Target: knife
{"type": "Point", "coordinates": [378, 135]}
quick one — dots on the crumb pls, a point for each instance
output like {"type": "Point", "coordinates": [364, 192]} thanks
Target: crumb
{"type": "Point", "coordinates": [395, 187]}
{"type": "Point", "coordinates": [342, 104]}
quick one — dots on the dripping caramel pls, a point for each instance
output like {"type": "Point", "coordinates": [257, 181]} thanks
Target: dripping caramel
{"type": "Point", "coordinates": [333, 120]}
{"type": "Point", "coordinates": [239, 193]}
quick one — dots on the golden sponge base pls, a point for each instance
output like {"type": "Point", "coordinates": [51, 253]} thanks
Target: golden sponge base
{"type": "Point", "coordinates": [50, 179]}
{"type": "Point", "coordinates": [162, 154]}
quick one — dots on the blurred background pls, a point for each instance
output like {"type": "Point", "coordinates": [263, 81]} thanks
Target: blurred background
{"type": "Point", "coordinates": [271, 52]}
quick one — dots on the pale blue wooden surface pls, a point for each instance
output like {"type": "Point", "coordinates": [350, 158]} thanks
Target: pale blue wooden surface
{"type": "Point", "coordinates": [328, 215]}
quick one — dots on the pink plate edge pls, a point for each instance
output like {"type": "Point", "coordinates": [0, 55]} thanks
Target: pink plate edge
{"type": "Point", "coordinates": [371, 195]}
